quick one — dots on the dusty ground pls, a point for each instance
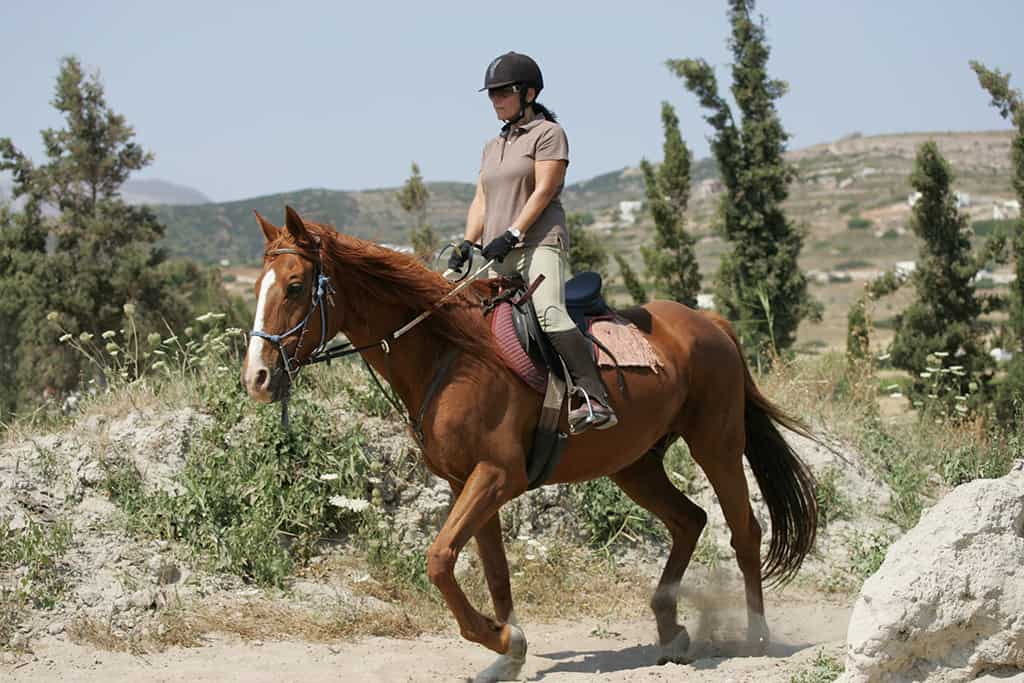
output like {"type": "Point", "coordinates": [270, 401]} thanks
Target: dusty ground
{"type": "Point", "coordinates": [559, 652]}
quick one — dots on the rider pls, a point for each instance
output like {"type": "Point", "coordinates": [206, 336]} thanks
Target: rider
{"type": "Point", "coordinates": [518, 216]}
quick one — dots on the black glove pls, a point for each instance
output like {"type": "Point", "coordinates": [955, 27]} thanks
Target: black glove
{"type": "Point", "coordinates": [498, 248]}
{"type": "Point", "coordinates": [460, 255]}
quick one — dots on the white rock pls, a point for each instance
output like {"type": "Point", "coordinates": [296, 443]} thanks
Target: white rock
{"type": "Point", "coordinates": [948, 602]}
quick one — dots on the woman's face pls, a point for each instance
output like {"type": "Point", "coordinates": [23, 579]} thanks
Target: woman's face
{"type": "Point", "coordinates": [506, 100]}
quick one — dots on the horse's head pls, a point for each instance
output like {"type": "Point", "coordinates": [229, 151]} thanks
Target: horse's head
{"type": "Point", "coordinates": [293, 310]}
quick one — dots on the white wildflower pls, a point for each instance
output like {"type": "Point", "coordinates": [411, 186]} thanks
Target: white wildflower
{"type": "Point", "coordinates": [350, 504]}
{"type": "Point", "coordinates": [65, 338]}
{"type": "Point", "coordinates": [329, 476]}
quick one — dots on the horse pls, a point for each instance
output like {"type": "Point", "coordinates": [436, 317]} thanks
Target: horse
{"type": "Point", "coordinates": [476, 420]}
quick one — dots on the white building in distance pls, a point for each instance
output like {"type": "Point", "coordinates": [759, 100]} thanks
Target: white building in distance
{"type": "Point", "coordinates": [628, 211]}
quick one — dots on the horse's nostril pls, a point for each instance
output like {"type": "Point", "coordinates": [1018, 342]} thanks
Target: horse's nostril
{"type": "Point", "coordinates": [262, 377]}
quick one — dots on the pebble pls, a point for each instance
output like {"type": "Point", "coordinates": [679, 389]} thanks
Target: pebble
{"type": "Point", "coordinates": [142, 599]}
{"type": "Point", "coordinates": [55, 628]}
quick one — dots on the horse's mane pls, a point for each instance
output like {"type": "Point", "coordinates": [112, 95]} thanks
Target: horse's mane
{"type": "Point", "coordinates": [370, 276]}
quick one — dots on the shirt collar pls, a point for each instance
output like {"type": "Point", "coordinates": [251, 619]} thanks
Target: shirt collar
{"type": "Point", "coordinates": [531, 124]}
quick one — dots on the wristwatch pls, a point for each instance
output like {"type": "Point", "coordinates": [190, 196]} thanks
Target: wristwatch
{"type": "Point", "coordinates": [515, 232]}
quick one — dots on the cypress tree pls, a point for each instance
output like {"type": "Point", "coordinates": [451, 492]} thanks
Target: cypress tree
{"type": "Point", "coordinates": [631, 281]}
{"type": "Point", "coordinates": [585, 250]}
{"type": "Point", "coordinates": [939, 337]}
{"type": "Point", "coordinates": [413, 198]}
{"type": "Point", "coordinates": [671, 262]}
{"type": "Point", "coordinates": [759, 284]}
{"type": "Point", "coordinates": [1010, 104]}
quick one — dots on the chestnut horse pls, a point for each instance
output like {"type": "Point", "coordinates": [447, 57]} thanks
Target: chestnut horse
{"type": "Point", "coordinates": [476, 419]}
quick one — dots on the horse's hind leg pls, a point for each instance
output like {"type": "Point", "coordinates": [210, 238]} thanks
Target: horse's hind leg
{"type": "Point", "coordinates": [723, 466]}
{"type": "Point", "coordinates": [647, 484]}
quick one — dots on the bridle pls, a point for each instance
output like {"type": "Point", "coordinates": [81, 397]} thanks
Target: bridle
{"type": "Point", "coordinates": [322, 289]}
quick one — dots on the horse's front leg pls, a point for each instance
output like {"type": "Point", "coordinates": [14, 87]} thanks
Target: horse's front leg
{"type": "Point", "coordinates": [486, 489]}
{"type": "Point", "coordinates": [495, 563]}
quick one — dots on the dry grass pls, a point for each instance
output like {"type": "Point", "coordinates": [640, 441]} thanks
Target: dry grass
{"type": "Point", "coordinates": [568, 583]}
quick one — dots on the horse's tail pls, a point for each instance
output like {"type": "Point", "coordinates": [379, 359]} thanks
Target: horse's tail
{"type": "Point", "coordinates": [785, 481]}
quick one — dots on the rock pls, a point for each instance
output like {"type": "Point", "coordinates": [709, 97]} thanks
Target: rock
{"type": "Point", "coordinates": [948, 602]}
{"type": "Point", "coordinates": [142, 599]}
{"type": "Point", "coordinates": [164, 571]}
{"type": "Point", "coordinates": [55, 628]}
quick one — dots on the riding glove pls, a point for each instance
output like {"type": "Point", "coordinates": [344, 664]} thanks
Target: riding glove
{"type": "Point", "coordinates": [459, 255]}
{"type": "Point", "coordinates": [498, 248]}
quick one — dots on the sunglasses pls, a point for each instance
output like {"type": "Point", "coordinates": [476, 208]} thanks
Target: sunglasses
{"type": "Point", "coordinates": [505, 91]}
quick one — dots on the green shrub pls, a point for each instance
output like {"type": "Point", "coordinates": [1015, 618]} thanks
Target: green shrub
{"type": "Point", "coordinates": [255, 498]}
{"type": "Point", "coordinates": [994, 227]}
{"type": "Point", "coordinates": [34, 576]}
{"type": "Point", "coordinates": [824, 669]}
{"type": "Point", "coordinates": [608, 515]}
{"type": "Point", "coordinates": [848, 207]}
{"type": "Point", "coordinates": [868, 553]}
{"type": "Point", "coordinates": [833, 504]}
{"type": "Point", "coordinates": [852, 264]}
{"type": "Point", "coordinates": [858, 223]}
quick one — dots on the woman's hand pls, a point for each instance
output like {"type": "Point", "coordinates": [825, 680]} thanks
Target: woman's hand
{"type": "Point", "coordinates": [460, 255]}
{"type": "Point", "coordinates": [498, 248]}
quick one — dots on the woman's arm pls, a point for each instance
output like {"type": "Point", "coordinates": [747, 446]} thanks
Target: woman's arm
{"type": "Point", "coordinates": [475, 216]}
{"type": "Point", "coordinates": [549, 177]}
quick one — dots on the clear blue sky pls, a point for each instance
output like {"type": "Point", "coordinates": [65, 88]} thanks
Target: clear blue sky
{"type": "Point", "coordinates": [239, 100]}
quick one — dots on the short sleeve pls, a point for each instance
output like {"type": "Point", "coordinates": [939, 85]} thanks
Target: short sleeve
{"type": "Point", "coordinates": [552, 145]}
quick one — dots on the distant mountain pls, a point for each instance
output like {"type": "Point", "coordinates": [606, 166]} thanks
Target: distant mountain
{"type": "Point", "coordinates": [161, 192]}
{"type": "Point", "coordinates": [141, 192]}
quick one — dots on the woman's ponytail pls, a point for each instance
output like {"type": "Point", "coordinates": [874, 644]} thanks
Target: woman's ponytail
{"type": "Point", "coordinates": [544, 111]}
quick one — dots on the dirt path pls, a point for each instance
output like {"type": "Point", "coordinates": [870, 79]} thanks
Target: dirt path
{"type": "Point", "coordinates": [559, 653]}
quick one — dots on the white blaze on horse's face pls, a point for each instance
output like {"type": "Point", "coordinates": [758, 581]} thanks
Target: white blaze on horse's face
{"type": "Point", "coordinates": [259, 357]}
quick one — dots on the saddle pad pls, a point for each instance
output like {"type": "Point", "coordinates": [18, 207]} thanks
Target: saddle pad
{"type": "Point", "coordinates": [626, 342]}
{"type": "Point", "coordinates": [512, 351]}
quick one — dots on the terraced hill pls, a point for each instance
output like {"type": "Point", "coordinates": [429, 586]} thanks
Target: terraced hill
{"type": "Point", "coordinates": [855, 177]}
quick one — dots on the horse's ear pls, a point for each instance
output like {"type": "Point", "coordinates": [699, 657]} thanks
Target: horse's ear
{"type": "Point", "coordinates": [270, 231]}
{"type": "Point", "coordinates": [295, 225]}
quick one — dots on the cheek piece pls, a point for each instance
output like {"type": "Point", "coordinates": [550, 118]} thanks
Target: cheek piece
{"type": "Point", "coordinates": [322, 289]}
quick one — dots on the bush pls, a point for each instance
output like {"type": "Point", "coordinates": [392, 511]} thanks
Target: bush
{"type": "Point", "coordinates": [853, 264]}
{"type": "Point", "coordinates": [858, 223]}
{"type": "Point", "coordinates": [994, 227]}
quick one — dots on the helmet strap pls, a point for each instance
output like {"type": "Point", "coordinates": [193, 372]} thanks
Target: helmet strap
{"type": "Point", "coordinates": [523, 104]}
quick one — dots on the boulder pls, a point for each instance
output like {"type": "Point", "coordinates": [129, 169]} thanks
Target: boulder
{"type": "Point", "coordinates": [948, 602]}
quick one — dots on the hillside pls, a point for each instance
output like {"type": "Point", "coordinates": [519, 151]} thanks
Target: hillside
{"type": "Point", "coordinates": [856, 176]}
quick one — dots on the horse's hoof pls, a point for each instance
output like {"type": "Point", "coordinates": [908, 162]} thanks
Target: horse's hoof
{"type": "Point", "coordinates": [675, 651]}
{"type": "Point", "coordinates": [758, 637]}
{"type": "Point", "coordinates": [507, 666]}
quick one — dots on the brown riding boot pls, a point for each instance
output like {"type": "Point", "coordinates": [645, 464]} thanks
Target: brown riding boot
{"type": "Point", "coordinates": [595, 409]}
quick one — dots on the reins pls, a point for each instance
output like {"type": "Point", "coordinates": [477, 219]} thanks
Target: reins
{"type": "Point", "coordinates": [323, 289]}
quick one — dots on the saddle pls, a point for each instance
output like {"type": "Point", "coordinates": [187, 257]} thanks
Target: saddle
{"type": "Point", "coordinates": [528, 352]}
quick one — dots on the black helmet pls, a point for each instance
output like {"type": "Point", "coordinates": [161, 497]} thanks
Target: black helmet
{"type": "Point", "coordinates": [510, 68]}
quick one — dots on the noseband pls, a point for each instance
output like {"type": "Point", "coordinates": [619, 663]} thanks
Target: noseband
{"type": "Point", "coordinates": [322, 289]}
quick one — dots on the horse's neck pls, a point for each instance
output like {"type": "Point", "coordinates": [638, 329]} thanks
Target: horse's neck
{"type": "Point", "coordinates": [409, 363]}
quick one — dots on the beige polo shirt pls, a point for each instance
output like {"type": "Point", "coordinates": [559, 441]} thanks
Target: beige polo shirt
{"type": "Point", "coordinates": [507, 174]}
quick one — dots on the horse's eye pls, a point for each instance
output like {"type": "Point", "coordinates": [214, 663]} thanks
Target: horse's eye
{"type": "Point", "coordinates": [294, 289]}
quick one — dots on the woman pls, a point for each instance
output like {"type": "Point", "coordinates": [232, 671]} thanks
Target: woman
{"type": "Point", "coordinates": [518, 216]}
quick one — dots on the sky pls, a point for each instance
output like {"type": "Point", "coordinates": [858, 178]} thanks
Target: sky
{"type": "Point", "coordinates": [243, 99]}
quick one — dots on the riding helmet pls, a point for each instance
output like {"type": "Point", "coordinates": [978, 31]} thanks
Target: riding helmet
{"type": "Point", "coordinates": [513, 67]}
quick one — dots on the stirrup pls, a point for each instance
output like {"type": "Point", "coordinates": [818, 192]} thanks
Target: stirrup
{"type": "Point", "coordinates": [590, 420]}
